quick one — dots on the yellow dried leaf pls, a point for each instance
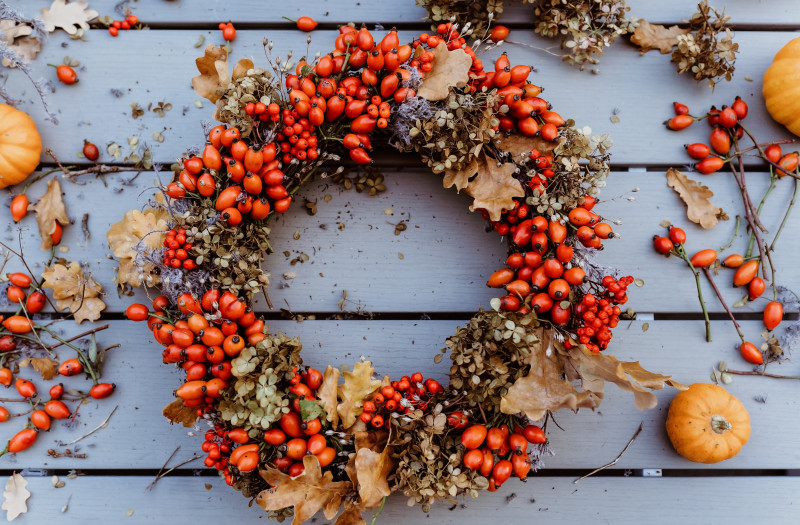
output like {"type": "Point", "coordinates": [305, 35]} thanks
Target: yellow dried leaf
{"type": "Point", "coordinates": [67, 16]}
{"type": "Point", "coordinates": [358, 384]}
{"type": "Point", "coordinates": [15, 496]}
{"type": "Point", "coordinates": [494, 188]}
{"type": "Point", "coordinates": [46, 366]}
{"type": "Point", "coordinates": [373, 463]}
{"type": "Point", "coordinates": [543, 389]}
{"type": "Point", "coordinates": [655, 36]}
{"type": "Point", "coordinates": [327, 394]}
{"type": "Point", "coordinates": [177, 412]}
{"type": "Point", "coordinates": [214, 76]}
{"type": "Point", "coordinates": [450, 69]}
{"type": "Point", "coordinates": [73, 291]}
{"type": "Point", "coordinates": [49, 209]}
{"type": "Point", "coordinates": [149, 228]}
{"type": "Point", "coordinates": [698, 208]}
{"type": "Point", "coordinates": [307, 493]}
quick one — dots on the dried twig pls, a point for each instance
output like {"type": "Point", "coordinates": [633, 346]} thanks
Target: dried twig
{"type": "Point", "coordinates": [84, 334]}
{"type": "Point", "coordinates": [100, 426]}
{"type": "Point", "coordinates": [595, 471]}
{"type": "Point", "coordinates": [746, 373]}
{"type": "Point", "coordinates": [66, 454]}
{"type": "Point", "coordinates": [158, 476]}
{"type": "Point", "coordinates": [179, 465]}
{"type": "Point", "coordinates": [99, 169]}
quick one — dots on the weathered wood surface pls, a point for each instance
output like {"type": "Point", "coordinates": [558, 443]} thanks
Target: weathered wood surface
{"type": "Point", "coordinates": [139, 437]}
{"type": "Point", "coordinates": [555, 499]}
{"type": "Point", "coordinates": [633, 85]}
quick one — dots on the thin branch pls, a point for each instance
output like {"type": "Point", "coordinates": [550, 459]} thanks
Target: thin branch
{"type": "Point", "coordinates": [724, 304]}
{"type": "Point", "coordinates": [84, 334]}
{"type": "Point", "coordinates": [100, 426]}
{"type": "Point", "coordinates": [764, 374]}
{"type": "Point", "coordinates": [179, 465]}
{"type": "Point", "coordinates": [158, 476]}
{"type": "Point", "coordinates": [595, 471]}
{"type": "Point", "coordinates": [99, 169]}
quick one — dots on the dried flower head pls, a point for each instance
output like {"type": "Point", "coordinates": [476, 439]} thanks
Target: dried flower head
{"type": "Point", "coordinates": [709, 52]}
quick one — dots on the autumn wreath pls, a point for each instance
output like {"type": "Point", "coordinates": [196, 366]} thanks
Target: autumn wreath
{"type": "Point", "coordinates": [297, 439]}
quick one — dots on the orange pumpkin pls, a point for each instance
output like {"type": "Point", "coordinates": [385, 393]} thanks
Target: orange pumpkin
{"type": "Point", "coordinates": [780, 86]}
{"type": "Point", "coordinates": [20, 146]}
{"type": "Point", "coordinates": [706, 424]}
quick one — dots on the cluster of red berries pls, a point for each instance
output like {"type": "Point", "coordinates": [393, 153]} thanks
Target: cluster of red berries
{"type": "Point", "coordinates": [129, 22]}
{"type": "Point", "coordinates": [406, 395]}
{"type": "Point", "coordinates": [598, 314]}
{"type": "Point", "coordinates": [177, 250]}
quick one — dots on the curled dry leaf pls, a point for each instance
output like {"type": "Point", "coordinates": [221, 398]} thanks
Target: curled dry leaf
{"type": "Point", "coordinates": [177, 412]}
{"type": "Point", "coordinates": [67, 16]}
{"type": "Point", "coordinates": [213, 68]}
{"type": "Point", "coordinates": [351, 516]}
{"type": "Point", "coordinates": [450, 69]}
{"type": "Point", "coordinates": [307, 493]}
{"type": "Point", "coordinates": [73, 291]}
{"type": "Point", "coordinates": [149, 229]}
{"type": "Point", "coordinates": [9, 30]}
{"type": "Point", "coordinates": [518, 144]}
{"type": "Point", "coordinates": [495, 187]}
{"type": "Point", "coordinates": [656, 36]}
{"type": "Point", "coordinates": [47, 367]}
{"type": "Point", "coordinates": [18, 38]}
{"type": "Point", "coordinates": [15, 496]}
{"type": "Point", "coordinates": [327, 394]}
{"type": "Point", "coordinates": [698, 208]}
{"type": "Point", "coordinates": [358, 384]}
{"type": "Point", "coordinates": [373, 463]}
{"type": "Point", "coordinates": [49, 209]}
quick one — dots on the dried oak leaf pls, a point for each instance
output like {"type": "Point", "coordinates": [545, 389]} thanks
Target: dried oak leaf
{"type": "Point", "coordinates": [698, 208]}
{"type": "Point", "coordinates": [351, 515]}
{"type": "Point", "coordinates": [9, 30]}
{"type": "Point", "coordinates": [46, 366]}
{"type": "Point", "coordinates": [656, 36]}
{"type": "Point", "coordinates": [494, 188]}
{"type": "Point", "coordinates": [307, 493]}
{"type": "Point", "coordinates": [327, 394]}
{"type": "Point", "coordinates": [18, 38]}
{"type": "Point", "coordinates": [460, 178]}
{"type": "Point", "coordinates": [373, 463]}
{"type": "Point", "coordinates": [67, 16]}
{"type": "Point", "coordinates": [49, 209]}
{"type": "Point", "coordinates": [543, 389]}
{"type": "Point", "coordinates": [358, 384]}
{"type": "Point", "coordinates": [517, 144]}
{"type": "Point", "coordinates": [450, 69]}
{"type": "Point", "coordinates": [149, 228]}
{"type": "Point", "coordinates": [213, 68]}
{"type": "Point", "coordinates": [81, 295]}
{"type": "Point", "coordinates": [594, 369]}
{"type": "Point", "coordinates": [15, 496]}
{"type": "Point", "coordinates": [177, 412]}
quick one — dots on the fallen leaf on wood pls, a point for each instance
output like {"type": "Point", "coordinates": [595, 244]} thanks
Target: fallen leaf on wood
{"type": "Point", "coordinates": [460, 178]}
{"type": "Point", "coordinates": [15, 496]}
{"type": "Point", "coordinates": [327, 394]}
{"type": "Point", "coordinates": [49, 209]}
{"type": "Point", "coordinates": [655, 36]}
{"type": "Point", "coordinates": [543, 389]}
{"type": "Point", "coordinates": [213, 68]}
{"type": "Point", "coordinates": [358, 384]}
{"type": "Point", "coordinates": [177, 412]}
{"type": "Point", "coordinates": [494, 188]}
{"type": "Point", "coordinates": [373, 463]}
{"type": "Point", "coordinates": [67, 16]}
{"type": "Point", "coordinates": [698, 208]}
{"type": "Point", "coordinates": [351, 515]}
{"type": "Point", "coordinates": [9, 30]}
{"type": "Point", "coordinates": [18, 38]}
{"type": "Point", "coordinates": [307, 493]}
{"type": "Point", "coordinates": [73, 291]}
{"type": "Point", "coordinates": [450, 69]}
{"type": "Point", "coordinates": [47, 367]}
{"type": "Point", "coordinates": [124, 237]}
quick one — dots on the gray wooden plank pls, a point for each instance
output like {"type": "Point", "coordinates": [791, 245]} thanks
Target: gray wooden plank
{"type": "Point", "coordinates": [447, 254]}
{"type": "Point", "coordinates": [131, 64]}
{"type": "Point", "coordinates": [555, 499]}
{"type": "Point", "coordinates": [139, 437]}
{"type": "Point", "coordinates": [773, 13]}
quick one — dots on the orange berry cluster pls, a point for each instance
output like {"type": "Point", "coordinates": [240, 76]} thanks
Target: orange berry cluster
{"type": "Point", "coordinates": [129, 22]}
{"type": "Point", "coordinates": [406, 395]}
{"type": "Point", "coordinates": [177, 250]}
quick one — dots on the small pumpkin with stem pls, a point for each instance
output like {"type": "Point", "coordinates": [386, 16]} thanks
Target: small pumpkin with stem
{"type": "Point", "coordinates": [706, 424]}
{"type": "Point", "coordinates": [780, 86]}
{"type": "Point", "coordinates": [20, 146]}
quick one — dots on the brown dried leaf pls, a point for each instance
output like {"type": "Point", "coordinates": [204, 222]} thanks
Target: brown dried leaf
{"type": "Point", "coordinates": [307, 493]}
{"type": "Point", "coordinates": [655, 36]}
{"type": "Point", "coordinates": [373, 464]}
{"type": "Point", "coordinates": [450, 69]}
{"type": "Point", "coordinates": [459, 178]}
{"type": "Point", "coordinates": [81, 295]}
{"type": "Point", "coordinates": [149, 228]}
{"type": "Point", "coordinates": [67, 16]}
{"type": "Point", "coordinates": [177, 412]}
{"type": "Point", "coordinates": [494, 188]}
{"type": "Point", "coordinates": [49, 209]}
{"type": "Point", "coordinates": [327, 393]}
{"type": "Point", "coordinates": [213, 68]}
{"type": "Point", "coordinates": [698, 208]}
{"type": "Point", "coordinates": [241, 67]}
{"type": "Point", "coordinates": [9, 30]}
{"type": "Point", "coordinates": [46, 366]}
{"type": "Point", "coordinates": [27, 47]}
{"type": "Point", "coordinates": [543, 389]}
{"type": "Point", "coordinates": [517, 144]}
{"type": "Point", "coordinates": [15, 496]}
{"type": "Point", "coordinates": [358, 384]}
{"type": "Point", "coordinates": [351, 515]}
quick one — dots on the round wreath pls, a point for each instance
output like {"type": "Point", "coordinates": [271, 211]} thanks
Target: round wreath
{"type": "Point", "coordinates": [298, 439]}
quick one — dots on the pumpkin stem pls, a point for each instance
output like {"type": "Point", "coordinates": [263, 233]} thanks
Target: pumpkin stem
{"type": "Point", "coordinates": [719, 424]}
